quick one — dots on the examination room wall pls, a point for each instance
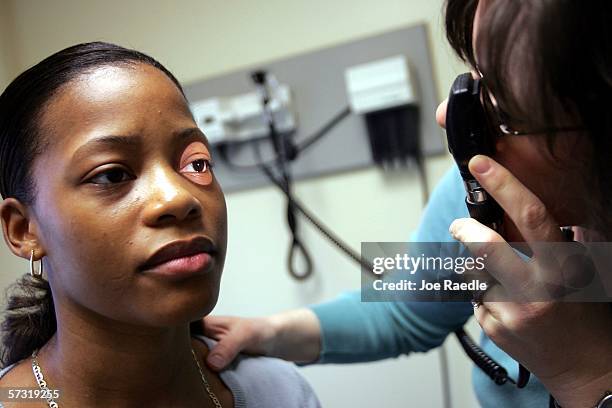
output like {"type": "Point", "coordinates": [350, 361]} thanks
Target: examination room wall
{"type": "Point", "coordinates": [6, 61]}
{"type": "Point", "coordinates": [10, 265]}
{"type": "Point", "coordinates": [199, 39]}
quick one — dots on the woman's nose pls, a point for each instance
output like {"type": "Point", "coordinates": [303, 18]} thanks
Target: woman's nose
{"type": "Point", "coordinates": [441, 113]}
{"type": "Point", "coordinates": [169, 199]}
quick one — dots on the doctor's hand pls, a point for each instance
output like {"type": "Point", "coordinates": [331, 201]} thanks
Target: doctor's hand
{"type": "Point", "coordinates": [293, 335]}
{"type": "Point", "coordinates": [568, 346]}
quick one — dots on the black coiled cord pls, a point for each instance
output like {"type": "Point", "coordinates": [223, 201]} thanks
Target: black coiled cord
{"type": "Point", "coordinates": [490, 367]}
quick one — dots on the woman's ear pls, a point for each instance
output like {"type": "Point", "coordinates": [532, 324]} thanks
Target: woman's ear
{"type": "Point", "coordinates": [20, 229]}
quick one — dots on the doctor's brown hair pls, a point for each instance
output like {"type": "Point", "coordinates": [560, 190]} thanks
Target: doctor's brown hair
{"type": "Point", "coordinates": [549, 65]}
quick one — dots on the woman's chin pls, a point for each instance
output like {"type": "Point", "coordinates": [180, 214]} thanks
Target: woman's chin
{"type": "Point", "coordinates": [175, 312]}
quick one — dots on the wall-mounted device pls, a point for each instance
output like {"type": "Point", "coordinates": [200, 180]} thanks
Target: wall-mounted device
{"type": "Point", "coordinates": [242, 117]}
{"type": "Point", "coordinates": [383, 91]}
{"type": "Point", "coordinates": [319, 96]}
{"type": "Point", "coordinates": [380, 85]}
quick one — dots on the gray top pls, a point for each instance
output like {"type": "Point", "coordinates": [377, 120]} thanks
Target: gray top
{"type": "Point", "coordinates": [260, 382]}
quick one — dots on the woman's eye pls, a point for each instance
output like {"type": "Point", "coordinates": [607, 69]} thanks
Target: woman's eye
{"type": "Point", "coordinates": [111, 176]}
{"type": "Point", "coordinates": [197, 166]}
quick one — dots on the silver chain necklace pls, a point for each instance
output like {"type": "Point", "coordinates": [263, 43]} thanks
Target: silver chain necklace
{"type": "Point", "coordinates": [207, 386]}
{"type": "Point", "coordinates": [42, 384]}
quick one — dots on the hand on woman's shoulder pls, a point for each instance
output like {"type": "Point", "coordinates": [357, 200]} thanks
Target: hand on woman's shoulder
{"type": "Point", "coordinates": [264, 382]}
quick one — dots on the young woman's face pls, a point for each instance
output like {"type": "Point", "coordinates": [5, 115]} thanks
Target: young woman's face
{"type": "Point", "coordinates": [557, 181]}
{"type": "Point", "coordinates": [124, 174]}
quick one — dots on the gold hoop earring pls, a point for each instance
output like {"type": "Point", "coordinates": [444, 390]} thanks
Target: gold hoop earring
{"type": "Point", "coordinates": [36, 274]}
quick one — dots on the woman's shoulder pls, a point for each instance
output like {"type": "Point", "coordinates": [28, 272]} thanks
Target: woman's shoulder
{"type": "Point", "coordinates": [17, 376]}
{"type": "Point", "coordinates": [266, 382]}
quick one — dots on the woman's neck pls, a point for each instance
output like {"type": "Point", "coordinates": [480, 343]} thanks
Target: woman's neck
{"type": "Point", "coordinates": [97, 361]}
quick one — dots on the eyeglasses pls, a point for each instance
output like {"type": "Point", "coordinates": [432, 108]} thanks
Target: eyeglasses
{"type": "Point", "coordinates": [500, 121]}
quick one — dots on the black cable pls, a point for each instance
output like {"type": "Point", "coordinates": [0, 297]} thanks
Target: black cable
{"type": "Point", "coordinates": [317, 223]}
{"type": "Point", "coordinates": [309, 216]}
{"type": "Point", "coordinates": [489, 366]}
{"type": "Point", "coordinates": [283, 145]}
{"type": "Point", "coordinates": [523, 376]}
{"type": "Point", "coordinates": [296, 245]}
{"type": "Point", "coordinates": [551, 402]}
{"type": "Point", "coordinates": [306, 143]}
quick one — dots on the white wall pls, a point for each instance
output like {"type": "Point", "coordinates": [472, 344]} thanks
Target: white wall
{"type": "Point", "coordinates": [198, 39]}
{"type": "Point", "coordinates": [6, 60]}
{"type": "Point", "coordinates": [10, 266]}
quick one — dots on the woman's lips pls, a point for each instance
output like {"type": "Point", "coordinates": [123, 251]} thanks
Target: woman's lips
{"type": "Point", "coordinates": [180, 259]}
{"type": "Point", "coordinates": [182, 267]}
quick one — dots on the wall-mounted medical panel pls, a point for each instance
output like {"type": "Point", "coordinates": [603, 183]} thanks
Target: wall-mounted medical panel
{"type": "Point", "coordinates": [318, 93]}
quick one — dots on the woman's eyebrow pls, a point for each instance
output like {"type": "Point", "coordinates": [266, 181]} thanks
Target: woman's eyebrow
{"type": "Point", "coordinates": [106, 142]}
{"type": "Point", "coordinates": [131, 142]}
{"type": "Point", "coordinates": [189, 132]}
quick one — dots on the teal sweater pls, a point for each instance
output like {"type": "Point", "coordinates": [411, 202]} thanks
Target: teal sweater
{"type": "Point", "coordinates": [353, 331]}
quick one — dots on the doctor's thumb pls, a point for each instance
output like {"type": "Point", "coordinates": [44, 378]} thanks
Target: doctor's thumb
{"type": "Point", "coordinates": [222, 354]}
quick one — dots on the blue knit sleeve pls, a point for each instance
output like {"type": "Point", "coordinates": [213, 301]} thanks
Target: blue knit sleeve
{"type": "Point", "coordinates": [354, 331]}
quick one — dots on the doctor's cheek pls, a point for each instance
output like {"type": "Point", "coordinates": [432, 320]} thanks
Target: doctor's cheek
{"type": "Point", "coordinates": [441, 114]}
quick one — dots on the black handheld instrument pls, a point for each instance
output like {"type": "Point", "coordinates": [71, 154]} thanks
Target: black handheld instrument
{"type": "Point", "coordinates": [468, 135]}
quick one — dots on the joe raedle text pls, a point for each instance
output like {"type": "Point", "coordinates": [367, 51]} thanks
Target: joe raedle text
{"type": "Point", "coordinates": [426, 286]}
